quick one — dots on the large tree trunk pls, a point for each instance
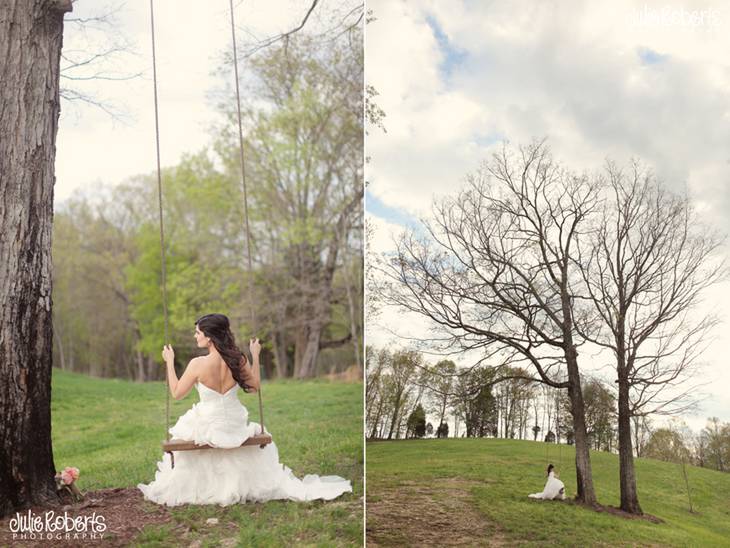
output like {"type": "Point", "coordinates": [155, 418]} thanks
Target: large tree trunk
{"type": "Point", "coordinates": [300, 343]}
{"type": "Point", "coordinates": [30, 41]}
{"type": "Point", "coordinates": [308, 364]}
{"type": "Point", "coordinates": [584, 475]}
{"type": "Point", "coordinates": [352, 308]}
{"type": "Point", "coordinates": [627, 476]}
{"type": "Point", "coordinates": [629, 496]}
{"type": "Point", "coordinates": [322, 280]}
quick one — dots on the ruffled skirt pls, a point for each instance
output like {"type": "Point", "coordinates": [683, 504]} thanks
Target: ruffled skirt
{"type": "Point", "coordinates": [232, 475]}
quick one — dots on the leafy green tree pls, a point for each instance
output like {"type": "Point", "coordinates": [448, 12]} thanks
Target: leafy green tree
{"type": "Point", "coordinates": [307, 264]}
{"type": "Point", "coordinates": [666, 444]}
{"type": "Point", "coordinates": [304, 159]}
{"type": "Point", "coordinates": [475, 402]}
{"type": "Point", "coordinates": [716, 437]}
{"type": "Point", "coordinates": [600, 412]}
{"type": "Point", "coordinates": [416, 425]}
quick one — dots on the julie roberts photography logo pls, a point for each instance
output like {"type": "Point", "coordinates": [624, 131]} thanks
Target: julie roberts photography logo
{"type": "Point", "coordinates": [677, 16]}
{"type": "Point", "coordinates": [52, 526]}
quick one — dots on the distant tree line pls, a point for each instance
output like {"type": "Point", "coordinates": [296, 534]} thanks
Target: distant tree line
{"type": "Point", "coordinates": [474, 402]}
{"type": "Point", "coordinates": [408, 398]}
{"type": "Point", "coordinates": [708, 448]}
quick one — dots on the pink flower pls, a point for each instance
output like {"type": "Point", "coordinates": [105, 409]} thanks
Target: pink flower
{"type": "Point", "coordinates": [73, 472]}
{"type": "Point", "coordinates": [69, 475]}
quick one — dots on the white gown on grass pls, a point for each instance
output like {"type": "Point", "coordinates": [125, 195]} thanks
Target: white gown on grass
{"type": "Point", "coordinates": [554, 489]}
{"type": "Point", "coordinates": [229, 474]}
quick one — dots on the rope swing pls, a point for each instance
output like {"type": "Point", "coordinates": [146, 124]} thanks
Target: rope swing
{"type": "Point", "coordinates": [261, 439]}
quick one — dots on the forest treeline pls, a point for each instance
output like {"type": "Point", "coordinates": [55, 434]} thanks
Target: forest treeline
{"type": "Point", "coordinates": [303, 163]}
{"type": "Point", "coordinates": [408, 398]}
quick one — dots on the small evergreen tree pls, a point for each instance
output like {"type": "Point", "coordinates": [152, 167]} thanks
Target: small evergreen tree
{"type": "Point", "coordinates": [417, 422]}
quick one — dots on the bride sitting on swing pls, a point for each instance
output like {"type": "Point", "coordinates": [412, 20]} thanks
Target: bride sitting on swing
{"type": "Point", "coordinates": [229, 472]}
{"type": "Point", "coordinates": [554, 488]}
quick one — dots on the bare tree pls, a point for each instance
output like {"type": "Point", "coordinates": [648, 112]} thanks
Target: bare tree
{"type": "Point", "coordinates": [641, 432]}
{"type": "Point", "coordinates": [495, 273]}
{"type": "Point", "coordinates": [95, 50]}
{"type": "Point", "coordinates": [336, 21]}
{"type": "Point", "coordinates": [645, 269]}
{"type": "Point", "coordinates": [440, 384]}
{"type": "Point", "coordinates": [403, 365]}
{"type": "Point", "coordinates": [375, 363]}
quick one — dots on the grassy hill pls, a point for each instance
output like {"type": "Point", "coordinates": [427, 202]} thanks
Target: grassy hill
{"type": "Point", "coordinates": [111, 430]}
{"type": "Point", "coordinates": [474, 492]}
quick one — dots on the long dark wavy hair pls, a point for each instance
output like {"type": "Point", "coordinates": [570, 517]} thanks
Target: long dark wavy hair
{"type": "Point", "coordinates": [218, 329]}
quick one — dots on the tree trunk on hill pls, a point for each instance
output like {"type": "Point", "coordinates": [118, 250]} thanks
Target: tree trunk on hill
{"type": "Point", "coordinates": [627, 475]}
{"type": "Point", "coordinates": [31, 36]}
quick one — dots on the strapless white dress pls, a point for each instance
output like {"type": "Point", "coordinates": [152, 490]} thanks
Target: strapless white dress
{"type": "Point", "coordinates": [554, 489]}
{"type": "Point", "coordinates": [230, 473]}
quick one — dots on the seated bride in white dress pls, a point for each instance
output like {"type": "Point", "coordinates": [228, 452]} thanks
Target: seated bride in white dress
{"type": "Point", "coordinates": [228, 474]}
{"type": "Point", "coordinates": [554, 488]}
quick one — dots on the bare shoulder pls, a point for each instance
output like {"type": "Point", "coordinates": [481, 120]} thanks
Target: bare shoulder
{"type": "Point", "coordinates": [197, 362]}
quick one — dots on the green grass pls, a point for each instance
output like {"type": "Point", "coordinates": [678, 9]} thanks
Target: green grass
{"type": "Point", "coordinates": [501, 473]}
{"type": "Point", "coordinates": [111, 430]}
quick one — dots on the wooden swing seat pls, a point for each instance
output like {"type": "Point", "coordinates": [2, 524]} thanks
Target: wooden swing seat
{"type": "Point", "coordinates": [262, 440]}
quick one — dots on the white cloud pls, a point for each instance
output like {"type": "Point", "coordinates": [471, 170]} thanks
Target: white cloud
{"type": "Point", "coordinates": [383, 234]}
{"type": "Point", "coordinates": [573, 75]}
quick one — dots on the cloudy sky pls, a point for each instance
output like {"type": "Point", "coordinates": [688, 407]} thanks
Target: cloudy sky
{"type": "Point", "coordinates": [620, 80]}
{"type": "Point", "coordinates": [191, 37]}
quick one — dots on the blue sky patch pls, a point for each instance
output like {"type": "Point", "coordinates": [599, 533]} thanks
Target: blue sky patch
{"type": "Point", "coordinates": [650, 57]}
{"type": "Point", "coordinates": [452, 56]}
{"type": "Point", "coordinates": [377, 207]}
{"type": "Point", "coordinates": [487, 139]}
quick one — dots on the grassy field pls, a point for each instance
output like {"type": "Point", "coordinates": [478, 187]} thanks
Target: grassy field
{"type": "Point", "coordinates": [111, 430]}
{"type": "Point", "coordinates": [474, 492]}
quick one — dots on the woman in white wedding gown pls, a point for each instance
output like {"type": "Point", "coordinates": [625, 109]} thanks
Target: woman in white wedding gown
{"type": "Point", "coordinates": [230, 473]}
{"type": "Point", "coordinates": [554, 488]}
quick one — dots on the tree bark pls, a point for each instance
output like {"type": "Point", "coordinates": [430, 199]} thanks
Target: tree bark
{"type": "Point", "coordinates": [629, 495]}
{"type": "Point", "coordinates": [31, 36]}
{"type": "Point", "coordinates": [300, 343]}
{"type": "Point", "coordinates": [627, 476]}
{"type": "Point", "coordinates": [584, 475]}
{"type": "Point", "coordinates": [320, 308]}
{"type": "Point", "coordinates": [352, 309]}
{"type": "Point", "coordinates": [308, 364]}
